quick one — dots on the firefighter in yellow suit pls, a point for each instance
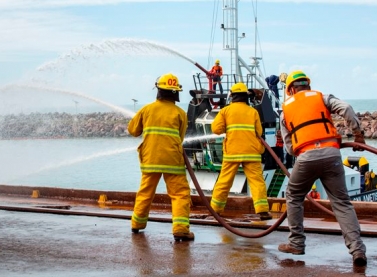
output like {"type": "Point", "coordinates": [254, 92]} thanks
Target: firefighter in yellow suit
{"type": "Point", "coordinates": [163, 126]}
{"type": "Point", "coordinates": [242, 126]}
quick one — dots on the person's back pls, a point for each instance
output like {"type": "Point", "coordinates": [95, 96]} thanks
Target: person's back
{"type": "Point", "coordinates": [314, 193]}
{"type": "Point", "coordinates": [310, 121]}
{"type": "Point", "coordinates": [278, 149]}
{"type": "Point", "coordinates": [309, 133]}
{"type": "Point", "coordinates": [241, 146]}
{"type": "Point", "coordinates": [217, 70]}
{"type": "Point", "coordinates": [239, 115]}
{"type": "Point", "coordinates": [163, 125]}
{"type": "Point", "coordinates": [160, 118]}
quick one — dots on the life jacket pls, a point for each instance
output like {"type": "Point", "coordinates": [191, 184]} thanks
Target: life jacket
{"type": "Point", "coordinates": [315, 194]}
{"type": "Point", "coordinates": [279, 141]}
{"type": "Point", "coordinates": [217, 70]}
{"type": "Point", "coordinates": [309, 122]}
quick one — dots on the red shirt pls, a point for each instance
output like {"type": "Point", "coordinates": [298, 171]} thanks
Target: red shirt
{"type": "Point", "coordinates": [217, 70]}
{"type": "Point", "coordinates": [279, 141]}
{"type": "Point", "coordinates": [315, 194]}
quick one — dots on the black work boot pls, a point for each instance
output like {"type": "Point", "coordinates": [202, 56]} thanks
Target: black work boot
{"type": "Point", "coordinates": [184, 236]}
{"type": "Point", "coordinates": [359, 259]}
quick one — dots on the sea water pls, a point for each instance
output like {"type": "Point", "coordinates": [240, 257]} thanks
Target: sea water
{"type": "Point", "coordinates": [97, 163]}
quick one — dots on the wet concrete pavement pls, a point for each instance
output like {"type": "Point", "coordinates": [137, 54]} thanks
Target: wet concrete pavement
{"type": "Point", "coordinates": [40, 244]}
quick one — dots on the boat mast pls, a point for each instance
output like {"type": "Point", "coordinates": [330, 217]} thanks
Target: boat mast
{"type": "Point", "coordinates": [230, 35]}
{"type": "Point", "coordinates": [230, 42]}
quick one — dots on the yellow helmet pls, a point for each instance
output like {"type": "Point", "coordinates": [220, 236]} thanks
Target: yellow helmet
{"type": "Point", "coordinates": [239, 88]}
{"type": "Point", "coordinates": [314, 187]}
{"type": "Point", "coordinates": [217, 61]}
{"type": "Point", "coordinates": [292, 77]}
{"type": "Point", "coordinates": [168, 82]}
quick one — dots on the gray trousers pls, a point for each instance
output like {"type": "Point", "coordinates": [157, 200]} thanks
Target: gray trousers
{"type": "Point", "coordinates": [331, 173]}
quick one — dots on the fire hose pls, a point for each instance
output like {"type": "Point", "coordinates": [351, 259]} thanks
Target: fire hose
{"type": "Point", "coordinates": [273, 227]}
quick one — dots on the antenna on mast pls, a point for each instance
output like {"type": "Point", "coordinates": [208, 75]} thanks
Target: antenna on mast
{"type": "Point", "coordinates": [255, 27]}
{"type": "Point", "coordinates": [230, 42]}
{"type": "Point", "coordinates": [230, 36]}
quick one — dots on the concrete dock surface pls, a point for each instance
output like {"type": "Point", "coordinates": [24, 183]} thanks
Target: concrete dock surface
{"type": "Point", "coordinates": [46, 244]}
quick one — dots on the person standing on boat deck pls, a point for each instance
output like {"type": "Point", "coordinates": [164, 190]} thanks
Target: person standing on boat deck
{"type": "Point", "coordinates": [309, 134]}
{"type": "Point", "coordinates": [241, 146]}
{"type": "Point", "coordinates": [217, 72]}
{"type": "Point", "coordinates": [279, 146]}
{"type": "Point", "coordinates": [314, 193]}
{"type": "Point", "coordinates": [163, 125]}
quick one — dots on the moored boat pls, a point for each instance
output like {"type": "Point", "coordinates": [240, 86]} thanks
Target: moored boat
{"type": "Point", "coordinates": [204, 149]}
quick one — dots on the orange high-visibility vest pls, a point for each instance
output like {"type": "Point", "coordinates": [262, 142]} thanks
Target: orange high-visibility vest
{"type": "Point", "coordinates": [279, 141]}
{"type": "Point", "coordinates": [309, 122]}
{"type": "Point", "coordinates": [217, 69]}
{"type": "Point", "coordinates": [315, 194]}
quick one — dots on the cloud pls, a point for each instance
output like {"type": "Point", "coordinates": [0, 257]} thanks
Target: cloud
{"type": "Point", "coordinates": [332, 2]}
{"type": "Point", "coordinates": [38, 4]}
{"type": "Point", "coordinates": [42, 31]}
{"type": "Point", "coordinates": [36, 33]}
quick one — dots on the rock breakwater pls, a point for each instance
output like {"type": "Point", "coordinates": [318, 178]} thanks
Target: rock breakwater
{"type": "Point", "coordinates": [63, 125]}
{"type": "Point", "coordinates": [368, 125]}
{"type": "Point", "coordinates": [111, 124]}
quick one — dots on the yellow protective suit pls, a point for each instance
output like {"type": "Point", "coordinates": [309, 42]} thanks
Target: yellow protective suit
{"type": "Point", "coordinates": [241, 123]}
{"type": "Point", "coordinates": [163, 125]}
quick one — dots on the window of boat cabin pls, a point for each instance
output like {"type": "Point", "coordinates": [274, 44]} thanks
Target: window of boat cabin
{"type": "Point", "coordinates": [211, 115]}
{"type": "Point", "coordinates": [199, 129]}
{"type": "Point", "coordinates": [215, 146]}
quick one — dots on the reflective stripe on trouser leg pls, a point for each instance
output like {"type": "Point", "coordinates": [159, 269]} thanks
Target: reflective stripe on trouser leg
{"type": "Point", "coordinates": [254, 175]}
{"type": "Point", "coordinates": [179, 192]}
{"type": "Point", "coordinates": [144, 198]}
{"type": "Point", "coordinates": [223, 185]}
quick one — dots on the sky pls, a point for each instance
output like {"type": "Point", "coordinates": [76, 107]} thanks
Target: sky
{"type": "Point", "coordinates": [97, 51]}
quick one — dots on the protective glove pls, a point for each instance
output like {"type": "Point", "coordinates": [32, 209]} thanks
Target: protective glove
{"type": "Point", "coordinates": [359, 137]}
